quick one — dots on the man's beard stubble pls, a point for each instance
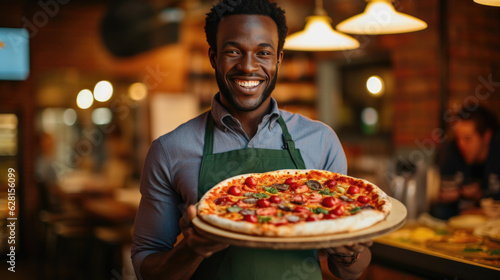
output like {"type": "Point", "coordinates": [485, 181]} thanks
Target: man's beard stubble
{"type": "Point", "coordinates": [224, 90]}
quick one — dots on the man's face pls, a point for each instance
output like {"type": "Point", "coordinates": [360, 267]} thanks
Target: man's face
{"type": "Point", "coordinates": [471, 144]}
{"type": "Point", "coordinates": [247, 59]}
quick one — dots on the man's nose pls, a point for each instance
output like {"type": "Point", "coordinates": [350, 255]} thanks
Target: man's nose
{"type": "Point", "coordinates": [248, 64]}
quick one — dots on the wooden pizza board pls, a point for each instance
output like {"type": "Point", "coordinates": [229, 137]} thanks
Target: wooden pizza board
{"type": "Point", "coordinates": [394, 220]}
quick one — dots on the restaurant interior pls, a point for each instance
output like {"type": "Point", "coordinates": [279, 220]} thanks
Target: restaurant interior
{"type": "Point", "coordinates": [86, 86]}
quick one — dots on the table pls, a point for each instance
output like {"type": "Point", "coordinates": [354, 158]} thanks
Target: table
{"type": "Point", "coordinates": [429, 262]}
{"type": "Point", "coordinates": [109, 209]}
{"type": "Point", "coordinates": [90, 193]}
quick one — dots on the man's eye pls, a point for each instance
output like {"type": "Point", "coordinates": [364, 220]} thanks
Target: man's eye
{"type": "Point", "coordinates": [231, 52]}
{"type": "Point", "coordinates": [264, 53]}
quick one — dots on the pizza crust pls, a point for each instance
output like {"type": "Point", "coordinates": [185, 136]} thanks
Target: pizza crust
{"type": "Point", "coordinates": [357, 222]}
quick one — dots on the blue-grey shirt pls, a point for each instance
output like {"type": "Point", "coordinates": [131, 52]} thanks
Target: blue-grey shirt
{"type": "Point", "coordinates": [169, 180]}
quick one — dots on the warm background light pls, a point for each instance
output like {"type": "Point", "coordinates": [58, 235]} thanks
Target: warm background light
{"type": "Point", "coordinates": [137, 91]}
{"type": "Point", "coordinates": [380, 17]}
{"type": "Point", "coordinates": [8, 137]}
{"type": "Point", "coordinates": [369, 116]}
{"type": "Point", "coordinates": [103, 91]}
{"type": "Point", "coordinates": [84, 99]}
{"type": "Point", "coordinates": [101, 116]}
{"type": "Point", "coordinates": [495, 3]}
{"type": "Point", "coordinates": [319, 35]}
{"type": "Point", "coordinates": [69, 117]}
{"type": "Point", "coordinates": [375, 85]}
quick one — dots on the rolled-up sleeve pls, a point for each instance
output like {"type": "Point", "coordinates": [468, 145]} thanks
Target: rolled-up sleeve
{"type": "Point", "coordinates": [156, 224]}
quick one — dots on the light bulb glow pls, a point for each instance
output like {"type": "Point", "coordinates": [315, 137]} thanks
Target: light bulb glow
{"type": "Point", "coordinates": [137, 91]}
{"type": "Point", "coordinates": [375, 85]}
{"type": "Point", "coordinates": [319, 35]}
{"type": "Point", "coordinates": [84, 99]}
{"type": "Point", "coordinates": [494, 3]}
{"type": "Point", "coordinates": [103, 91]}
{"type": "Point", "coordinates": [380, 17]}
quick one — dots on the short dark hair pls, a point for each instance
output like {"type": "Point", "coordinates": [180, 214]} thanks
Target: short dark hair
{"type": "Point", "coordinates": [482, 118]}
{"type": "Point", "coordinates": [245, 7]}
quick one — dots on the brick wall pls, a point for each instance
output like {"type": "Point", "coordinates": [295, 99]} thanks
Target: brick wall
{"type": "Point", "coordinates": [474, 59]}
{"type": "Point", "coordinates": [416, 61]}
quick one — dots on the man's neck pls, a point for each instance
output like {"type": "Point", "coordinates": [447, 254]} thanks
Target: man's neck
{"type": "Point", "coordinates": [249, 120]}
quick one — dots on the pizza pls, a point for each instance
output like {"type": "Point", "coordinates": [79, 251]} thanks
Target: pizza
{"type": "Point", "coordinates": [294, 203]}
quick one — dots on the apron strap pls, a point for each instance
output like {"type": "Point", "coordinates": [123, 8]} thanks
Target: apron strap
{"type": "Point", "coordinates": [289, 145]}
{"type": "Point", "coordinates": [209, 135]}
{"type": "Point", "coordinates": [287, 138]}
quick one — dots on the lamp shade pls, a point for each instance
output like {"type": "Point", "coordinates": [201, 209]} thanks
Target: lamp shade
{"type": "Point", "coordinates": [319, 35]}
{"type": "Point", "coordinates": [495, 3]}
{"type": "Point", "coordinates": [380, 17]}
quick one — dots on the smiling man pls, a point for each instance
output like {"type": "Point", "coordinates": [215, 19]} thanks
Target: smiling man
{"type": "Point", "coordinates": [246, 67]}
{"type": "Point", "coordinates": [244, 132]}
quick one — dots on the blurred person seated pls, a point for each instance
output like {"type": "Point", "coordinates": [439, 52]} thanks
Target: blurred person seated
{"type": "Point", "coordinates": [469, 164]}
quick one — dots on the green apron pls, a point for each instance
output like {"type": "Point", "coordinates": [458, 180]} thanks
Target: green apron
{"type": "Point", "coordinates": [238, 263]}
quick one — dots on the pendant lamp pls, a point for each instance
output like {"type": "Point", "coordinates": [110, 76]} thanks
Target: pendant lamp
{"type": "Point", "coordinates": [319, 35]}
{"type": "Point", "coordinates": [495, 3]}
{"type": "Point", "coordinates": [380, 17]}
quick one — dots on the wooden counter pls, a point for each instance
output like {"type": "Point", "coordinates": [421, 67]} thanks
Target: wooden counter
{"type": "Point", "coordinates": [431, 263]}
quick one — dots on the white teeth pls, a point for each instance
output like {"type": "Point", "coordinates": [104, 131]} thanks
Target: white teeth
{"type": "Point", "coordinates": [247, 84]}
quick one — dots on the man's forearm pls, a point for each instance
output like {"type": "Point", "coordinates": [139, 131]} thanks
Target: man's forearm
{"type": "Point", "coordinates": [179, 263]}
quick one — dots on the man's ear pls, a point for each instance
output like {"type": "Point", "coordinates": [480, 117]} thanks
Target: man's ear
{"type": "Point", "coordinates": [212, 56]}
{"type": "Point", "coordinates": [280, 58]}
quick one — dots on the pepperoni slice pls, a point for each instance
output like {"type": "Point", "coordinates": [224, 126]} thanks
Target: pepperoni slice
{"type": "Point", "coordinates": [223, 201]}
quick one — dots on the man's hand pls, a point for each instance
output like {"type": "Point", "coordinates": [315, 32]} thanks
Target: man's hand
{"type": "Point", "coordinates": [349, 261]}
{"type": "Point", "coordinates": [198, 243]}
{"type": "Point", "coordinates": [348, 252]}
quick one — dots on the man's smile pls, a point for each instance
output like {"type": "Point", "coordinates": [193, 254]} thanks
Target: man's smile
{"type": "Point", "coordinates": [248, 84]}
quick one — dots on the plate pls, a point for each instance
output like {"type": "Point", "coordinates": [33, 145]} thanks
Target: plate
{"type": "Point", "coordinates": [393, 221]}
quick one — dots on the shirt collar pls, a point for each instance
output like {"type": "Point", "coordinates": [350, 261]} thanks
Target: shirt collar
{"type": "Point", "coordinates": [224, 120]}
